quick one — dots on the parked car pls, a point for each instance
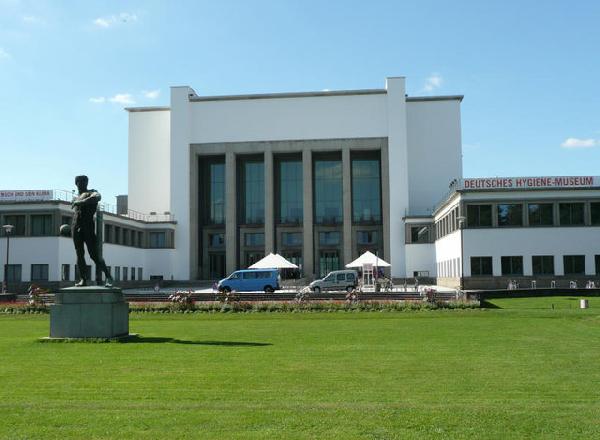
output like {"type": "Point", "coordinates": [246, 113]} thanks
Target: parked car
{"type": "Point", "coordinates": [251, 280]}
{"type": "Point", "coordinates": [336, 280]}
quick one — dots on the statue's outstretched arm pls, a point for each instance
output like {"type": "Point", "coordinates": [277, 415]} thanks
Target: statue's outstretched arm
{"type": "Point", "coordinates": [92, 197]}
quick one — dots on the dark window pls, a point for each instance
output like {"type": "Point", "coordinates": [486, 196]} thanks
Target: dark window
{"type": "Point", "coordinates": [331, 238]}
{"type": "Point", "coordinates": [479, 215]}
{"type": "Point", "coordinates": [510, 215]}
{"type": "Point", "coordinates": [158, 240]}
{"type": "Point", "coordinates": [13, 273]}
{"type": "Point", "coordinates": [328, 261]}
{"type": "Point", "coordinates": [290, 191]}
{"type": "Point", "coordinates": [216, 265]}
{"type": "Point", "coordinates": [328, 191]}
{"type": "Point", "coordinates": [108, 234]}
{"type": "Point", "coordinates": [39, 272]}
{"type": "Point", "coordinates": [133, 274]}
{"type": "Point", "coordinates": [253, 239]}
{"type": "Point", "coordinates": [512, 265]}
{"type": "Point", "coordinates": [140, 273]}
{"type": "Point", "coordinates": [597, 261]}
{"type": "Point", "coordinates": [216, 240]}
{"type": "Point", "coordinates": [140, 239]}
{"type": "Point", "coordinates": [125, 273]}
{"type": "Point", "coordinates": [65, 273]}
{"type": "Point", "coordinates": [41, 225]}
{"type": "Point", "coordinates": [217, 193]}
{"type": "Point", "coordinates": [595, 212]}
{"type": "Point", "coordinates": [541, 214]}
{"type": "Point", "coordinates": [341, 277]}
{"type": "Point", "coordinates": [367, 237]}
{"type": "Point", "coordinates": [126, 240]}
{"type": "Point", "coordinates": [291, 238]}
{"type": "Point", "coordinates": [481, 266]}
{"type": "Point", "coordinates": [366, 191]}
{"type": "Point", "coordinates": [420, 234]}
{"type": "Point", "coordinates": [350, 277]}
{"type": "Point", "coordinates": [542, 264]}
{"type": "Point", "coordinates": [117, 273]}
{"type": "Point", "coordinates": [574, 264]}
{"type": "Point", "coordinates": [254, 193]}
{"type": "Point", "coordinates": [253, 257]}
{"type": "Point", "coordinates": [18, 221]}
{"type": "Point", "coordinates": [571, 214]}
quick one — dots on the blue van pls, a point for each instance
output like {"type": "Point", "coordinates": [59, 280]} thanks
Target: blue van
{"type": "Point", "coordinates": [251, 280]}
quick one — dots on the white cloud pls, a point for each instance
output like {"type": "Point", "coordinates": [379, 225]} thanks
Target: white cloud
{"type": "Point", "coordinates": [151, 94]}
{"type": "Point", "coordinates": [434, 81]}
{"type": "Point", "coordinates": [4, 55]}
{"type": "Point", "coordinates": [31, 19]}
{"type": "Point", "coordinates": [98, 100]}
{"type": "Point", "coordinates": [580, 143]}
{"type": "Point", "coordinates": [112, 20]}
{"type": "Point", "coordinates": [122, 98]}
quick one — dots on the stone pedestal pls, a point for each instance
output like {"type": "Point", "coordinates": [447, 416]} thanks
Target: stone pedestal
{"type": "Point", "coordinates": [89, 312]}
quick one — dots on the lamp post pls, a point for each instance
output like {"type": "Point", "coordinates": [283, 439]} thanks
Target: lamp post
{"type": "Point", "coordinates": [461, 225]}
{"type": "Point", "coordinates": [7, 231]}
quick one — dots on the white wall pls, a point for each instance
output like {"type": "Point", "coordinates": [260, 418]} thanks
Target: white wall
{"type": "Point", "coordinates": [447, 252]}
{"type": "Point", "coordinates": [531, 241]}
{"type": "Point", "coordinates": [420, 257]}
{"type": "Point", "coordinates": [434, 151]}
{"type": "Point", "coordinates": [149, 158]}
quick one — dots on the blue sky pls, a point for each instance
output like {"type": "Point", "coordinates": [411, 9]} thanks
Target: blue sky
{"type": "Point", "coordinates": [530, 73]}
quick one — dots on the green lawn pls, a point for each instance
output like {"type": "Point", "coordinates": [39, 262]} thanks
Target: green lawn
{"type": "Point", "coordinates": [496, 373]}
{"type": "Point", "coordinates": [543, 302]}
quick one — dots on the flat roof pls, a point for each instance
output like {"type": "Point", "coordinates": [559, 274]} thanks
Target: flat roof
{"type": "Point", "coordinates": [148, 109]}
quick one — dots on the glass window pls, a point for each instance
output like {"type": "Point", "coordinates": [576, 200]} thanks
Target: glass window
{"type": "Point", "coordinates": [542, 264]}
{"type": "Point", "coordinates": [65, 273]}
{"type": "Point", "coordinates": [253, 257]}
{"type": "Point", "coordinates": [479, 216]}
{"type": "Point", "coordinates": [595, 212]}
{"type": "Point", "coordinates": [216, 240]}
{"type": "Point", "coordinates": [541, 214]}
{"type": "Point", "coordinates": [328, 191]}
{"type": "Point", "coordinates": [571, 214]}
{"type": "Point", "coordinates": [328, 261]}
{"type": "Point", "coordinates": [331, 238]}
{"type": "Point", "coordinates": [291, 238]}
{"type": "Point", "coordinates": [39, 272]}
{"type": "Point", "coordinates": [290, 191]}
{"type": "Point", "coordinates": [366, 191]}
{"type": "Point", "coordinates": [597, 261]}
{"type": "Point", "coordinates": [117, 273]}
{"type": "Point", "coordinates": [350, 277]}
{"type": "Point", "coordinates": [254, 192]}
{"type": "Point", "coordinates": [217, 193]}
{"type": "Point", "coordinates": [481, 266]}
{"type": "Point", "coordinates": [510, 215]}
{"type": "Point", "coordinates": [512, 265]}
{"type": "Point", "coordinates": [117, 235]}
{"type": "Point", "coordinates": [341, 277]}
{"type": "Point", "coordinates": [367, 237]}
{"type": "Point", "coordinates": [18, 221]}
{"type": "Point", "coordinates": [574, 264]}
{"type": "Point", "coordinates": [13, 273]}
{"type": "Point", "coordinates": [125, 273]}
{"type": "Point", "coordinates": [250, 275]}
{"type": "Point", "coordinates": [420, 234]}
{"type": "Point", "coordinates": [41, 225]}
{"type": "Point", "coordinates": [133, 274]}
{"type": "Point", "coordinates": [140, 273]}
{"type": "Point", "coordinates": [107, 233]}
{"type": "Point", "coordinates": [254, 239]}
{"type": "Point", "coordinates": [158, 239]}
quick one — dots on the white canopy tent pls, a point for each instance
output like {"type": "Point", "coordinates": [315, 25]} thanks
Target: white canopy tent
{"type": "Point", "coordinates": [367, 262]}
{"type": "Point", "coordinates": [273, 261]}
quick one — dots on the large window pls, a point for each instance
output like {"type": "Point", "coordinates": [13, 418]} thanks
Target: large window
{"type": "Point", "coordinates": [13, 273]}
{"type": "Point", "coordinates": [254, 193]}
{"type": "Point", "coordinates": [574, 264]}
{"type": "Point", "coordinates": [18, 221]}
{"type": "Point", "coordinates": [329, 238]}
{"type": "Point", "coordinates": [217, 193]}
{"type": "Point", "coordinates": [366, 191]}
{"type": "Point", "coordinates": [291, 238]}
{"type": "Point", "coordinates": [542, 264]}
{"type": "Point", "coordinates": [254, 239]}
{"type": "Point", "coordinates": [157, 239]}
{"type": "Point", "coordinates": [39, 272]}
{"type": "Point", "coordinates": [512, 265]}
{"type": "Point", "coordinates": [595, 213]}
{"type": "Point", "coordinates": [541, 214]}
{"type": "Point", "coordinates": [571, 214]}
{"type": "Point", "coordinates": [481, 266]}
{"type": "Point", "coordinates": [328, 191]}
{"type": "Point", "coordinates": [420, 234]}
{"type": "Point", "coordinates": [367, 237]}
{"type": "Point", "coordinates": [510, 215]}
{"type": "Point", "coordinates": [216, 240]}
{"type": "Point", "coordinates": [290, 191]}
{"type": "Point", "coordinates": [479, 216]}
{"type": "Point", "coordinates": [328, 261]}
{"type": "Point", "coordinates": [41, 224]}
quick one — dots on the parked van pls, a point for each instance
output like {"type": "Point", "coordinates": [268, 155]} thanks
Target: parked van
{"type": "Point", "coordinates": [337, 280]}
{"type": "Point", "coordinates": [251, 280]}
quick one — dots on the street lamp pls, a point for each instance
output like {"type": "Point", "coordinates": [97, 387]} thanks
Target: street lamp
{"type": "Point", "coordinates": [7, 231]}
{"type": "Point", "coordinates": [461, 225]}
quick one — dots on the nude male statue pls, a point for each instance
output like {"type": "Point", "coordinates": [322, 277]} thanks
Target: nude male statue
{"type": "Point", "coordinates": [84, 207]}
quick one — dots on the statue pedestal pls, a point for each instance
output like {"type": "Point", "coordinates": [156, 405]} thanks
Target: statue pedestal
{"type": "Point", "coordinates": [89, 312]}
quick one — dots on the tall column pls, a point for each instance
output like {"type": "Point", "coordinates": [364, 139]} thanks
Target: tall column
{"type": "Point", "coordinates": [308, 242]}
{"type": "Point", "coordinates": [347, 205]}
{"type": "Point", "coordinates": [269, 204]}
{"type": "Point", "coordinates": [230, 212]}
{"type": "Point", "coordinates": [385, 200]}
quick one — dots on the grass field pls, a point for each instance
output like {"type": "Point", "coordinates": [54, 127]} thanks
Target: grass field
{"type": "Point", "coordinates": [495, 373]}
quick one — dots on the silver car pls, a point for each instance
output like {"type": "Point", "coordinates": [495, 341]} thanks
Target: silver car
{"type": "Point", "coordinates": [336, 280]}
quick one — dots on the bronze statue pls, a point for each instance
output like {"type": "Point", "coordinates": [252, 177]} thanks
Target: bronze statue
{"type": "Point", "coordinates": [84, 207]}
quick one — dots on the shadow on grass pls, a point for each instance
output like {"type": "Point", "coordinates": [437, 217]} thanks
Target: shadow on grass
{"type": "Point", "coordinates": [159, 340]}
{"type": "Point", "coordinates": [484, 304]}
